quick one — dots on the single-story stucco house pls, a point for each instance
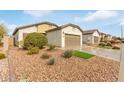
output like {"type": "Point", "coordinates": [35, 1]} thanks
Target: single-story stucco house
{"type": "Point", "coordinates": [67, 36]}
{"type": "Point", "coordinates": [105, 37]}
{"type": "Point", "coordinates": [108, 37]}
{"type": "Point", "coordinates": [21, 32]}
{"type": "Point", "coordinates": [91, 37]}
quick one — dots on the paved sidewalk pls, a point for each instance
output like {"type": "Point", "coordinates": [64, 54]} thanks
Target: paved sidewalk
{"type": "Point", "coordinates": [121, 74]}
{"type": "Point", "coordinates": [108, 53]}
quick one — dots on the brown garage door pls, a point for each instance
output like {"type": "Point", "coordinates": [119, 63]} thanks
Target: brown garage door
{"type": "Point", "coordinates": [72, 41]}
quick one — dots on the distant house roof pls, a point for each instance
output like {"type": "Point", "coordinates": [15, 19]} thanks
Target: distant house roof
{"type": "Point", "coordinates": [63, 26]}
{"type": "Point", "coordinates": [102, 33]}
{"type": "Point", "coordinates": [108, 35]}
{"type": "Point", "coordinates": [21, 27]}
{"type": "Point", "coordinates": [91, 31]}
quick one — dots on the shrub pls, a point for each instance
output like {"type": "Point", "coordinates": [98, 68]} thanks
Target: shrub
{"type": "Point", "coordinates": [51, 47]}
{"type": "Point", "coordinates": [35, 40]}
{"type": "Point", "coordinates": [1, 44]}
{"type": "Point", "coordinates": [115, 47]}
{"type": "Point", "coordinates": [67, 54]}
{"type": "Point", "coordinates": [51, 61]}
{"type": "Point", "coordinates": [2, 55]}
{"type": "Point", "coordinates": [34, 50]}
{"type": "Point", "coordinates": [45, 56]}
{"type": "Point", "coordinates": [108, 44]}
{"type": "Point", "coordinates": [102, 44]}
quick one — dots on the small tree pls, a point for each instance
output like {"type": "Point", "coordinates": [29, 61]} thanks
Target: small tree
{"type": "Point", "coordinates": [35, 40]}
{"type": "Point", "coordinates": [2, 31]}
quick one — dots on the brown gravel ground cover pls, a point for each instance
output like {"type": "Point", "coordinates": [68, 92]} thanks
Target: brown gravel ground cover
{"type": "Point", "coordinates": [4, 71]}
{"type": "Point", "coordinates": [33, 68]}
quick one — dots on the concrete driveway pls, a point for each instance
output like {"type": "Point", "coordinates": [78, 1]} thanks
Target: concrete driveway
{"type": "Point", "coordinates": [108, 53]}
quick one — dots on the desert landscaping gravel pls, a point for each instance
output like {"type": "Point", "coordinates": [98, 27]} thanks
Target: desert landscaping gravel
{"type": "Point", "coordinates": [4, 70]}
{"type": "Point", "coordinates": [34, 68]}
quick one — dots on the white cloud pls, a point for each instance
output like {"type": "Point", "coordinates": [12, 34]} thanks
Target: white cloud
{"type": "Point", "coordinates": [37, 13]}
{"type": "Point", "coordinates": [98, 15]}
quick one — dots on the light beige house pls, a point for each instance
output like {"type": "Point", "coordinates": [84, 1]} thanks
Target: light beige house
{"type": "Point", "coordinates": [91, 37]}
{"type": "Point", "coordinates": [108, 37]}
{"type": "Point", "coordinates": [68, 36]}
{"type": "Point", "coordinates": [21, 32]}
{"type": "Point", "coordinates": [105, 37]}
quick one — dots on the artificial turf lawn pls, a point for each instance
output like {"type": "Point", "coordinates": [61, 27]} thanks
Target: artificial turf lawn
{"type": "Point", "coordinates": [82, 54]}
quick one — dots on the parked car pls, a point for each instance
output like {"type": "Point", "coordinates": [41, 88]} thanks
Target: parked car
{"type": "Point", "coordinates": [116, 41]}
{"type": "Point", "coordinates": [122, 41]}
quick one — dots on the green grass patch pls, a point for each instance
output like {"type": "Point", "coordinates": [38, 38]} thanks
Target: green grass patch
{"type": "Point", "coordinates": [82, 54]}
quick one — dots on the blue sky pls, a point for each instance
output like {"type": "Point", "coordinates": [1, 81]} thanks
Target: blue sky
{"type": "Point", "coordinates": [105, 21]}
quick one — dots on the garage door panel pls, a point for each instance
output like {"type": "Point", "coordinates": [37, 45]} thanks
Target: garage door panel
{"type": "Point", "coordinates": [72, 41]}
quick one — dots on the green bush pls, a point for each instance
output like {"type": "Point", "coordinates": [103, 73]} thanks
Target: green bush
{"type": "Point", "coordinates": [51, 47]}
{"type": "Point", "coordinates": [45, 56]}
{"type": "Point", "coordinates": [108, 44]}
{"type": "Point", "coordinates": [35, 40]}
{"type": "Point", "coordinates": [2, 56]}
{"type": "Point", "coordinates": [115, 47]}
{"type": "Point", "coordinates": [34, 50]}
{"type": "Point", "coordinates": [102, 44]}
{"type": "Point", "coordinates": [67, 54]}
{"type": "Point", "coordinates": [51, 61]}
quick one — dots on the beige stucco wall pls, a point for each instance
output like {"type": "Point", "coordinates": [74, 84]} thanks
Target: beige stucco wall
{"type": "Point", "coordinates": [40, 28]}
{"type": "Point", "coordinates": [25, 30]}
{"type": "Point", "coordinates": [44, 27]}
{"type": "Point", "coordinates": [87, 39]}
{"type": "Point", "coordinates": [97, 35]}
{"type": "Point", "coordinates": [109, 38]}
{"type": "Point", "coordinates": [58, 37]}
{"type": "Point", "coordinates": [54, 37]}
{"type": "Point", "coordinates": [73, 31]}
{"type": "Point", "coordinates": [102, 37]}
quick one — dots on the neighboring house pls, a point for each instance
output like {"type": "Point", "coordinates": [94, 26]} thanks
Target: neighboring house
{"type": "Point", "coordinates": [108, 37]}
{"type": "Point", "coordinates": [68, 36]}
{"type": "Point", "coordinates": [102, 35]}
{"type": "Point", "coordinates": [105, 37]}
{"type": "Point", "coordinates": [91, 37]}
{"type": "Point", "coordinates": [21, 32]}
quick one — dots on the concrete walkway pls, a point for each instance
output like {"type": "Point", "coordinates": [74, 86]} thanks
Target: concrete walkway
{"type": "Point", "coordinates": [108, 53]}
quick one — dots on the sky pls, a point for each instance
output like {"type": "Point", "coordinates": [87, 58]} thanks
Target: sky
{"type": "Point", "coordinates": [105, 21]}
